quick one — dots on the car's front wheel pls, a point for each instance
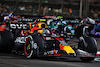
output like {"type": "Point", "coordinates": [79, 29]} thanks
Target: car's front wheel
{"type": "Point", "coordinates": [90, 48]}
{"type": "Point", "coordinates": [28, 47]}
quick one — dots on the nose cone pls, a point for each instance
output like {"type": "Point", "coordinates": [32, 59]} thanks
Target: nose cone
{"type": "Point", "coordinates": [68, 49]}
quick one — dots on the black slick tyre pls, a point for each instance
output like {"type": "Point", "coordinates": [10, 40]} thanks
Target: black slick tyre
{"type": "Point", "coordinates": [6, 41]}
{"type": "Point", "coordinates": [91, 48]}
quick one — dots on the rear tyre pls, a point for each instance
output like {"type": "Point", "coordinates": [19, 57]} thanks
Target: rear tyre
{"type": "Point", "coordinates": [6, 41]}
{"type": "Point", "coordinates": [92, 45]}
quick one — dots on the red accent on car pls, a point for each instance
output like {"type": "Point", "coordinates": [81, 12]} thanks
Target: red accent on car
{"type": "Point", "coordinates": [98, 24]}
{"type": "Point", "coordinates": [58, 38]}
{"type": "Point", "coordinates": [57, 54]}
{"type": "Point", "coordinates": [98, 55]}
{"type": "Point", "coordinates": [62, 47]}
{"type": "Point", "coordinates": [2, 27]}
{"type": "Point", "coordinates": [25, 46]}
{"type": "Point", "coordinates": [22, 31]}
{"type": "Point", "coordinates": [87, 25]}
{"type": "Point", "coordinates": [50, 55]}
{"type": "Point", "coordinates": [51, 39]}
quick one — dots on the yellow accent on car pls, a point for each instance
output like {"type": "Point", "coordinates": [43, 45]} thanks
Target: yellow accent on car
{"type": "Point", "coordinates": [40, 31]}
{"type": "Point", "coordinates": [69, 33]}
{"type": "Point", "coordinates": [41, 20]}
{"type": "Point", "coordinates": [29, 46]}
{"type": "Point", "coordinates": [40, 25]}
{"type": "Point", "coordinates": [68, 49]}
{"type": "Point", "coordinates": [30, 26]}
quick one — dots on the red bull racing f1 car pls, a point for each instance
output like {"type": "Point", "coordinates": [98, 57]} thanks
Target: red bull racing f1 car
{"type": "Point", "coordinates": [36, 40]}
{"type": "Point", "coordinates": [40, 41]}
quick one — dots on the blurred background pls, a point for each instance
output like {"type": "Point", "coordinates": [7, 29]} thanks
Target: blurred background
{"type": "Point", "coordinates": [67, 8]}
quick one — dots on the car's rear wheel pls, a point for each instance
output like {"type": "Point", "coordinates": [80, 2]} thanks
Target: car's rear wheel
{"type": "Point", "coordinates": [6, 41]}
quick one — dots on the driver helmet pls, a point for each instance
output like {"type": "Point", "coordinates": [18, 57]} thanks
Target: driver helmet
{"type": "Point", "coordinates": [88, 21]}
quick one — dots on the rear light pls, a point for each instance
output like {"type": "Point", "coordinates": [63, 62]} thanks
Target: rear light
{"type": "Point", "coordinates": [87, 25]}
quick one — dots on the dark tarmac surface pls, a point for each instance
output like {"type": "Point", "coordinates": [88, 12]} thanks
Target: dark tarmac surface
{"type": "Point", "coordinates": [10, 60]}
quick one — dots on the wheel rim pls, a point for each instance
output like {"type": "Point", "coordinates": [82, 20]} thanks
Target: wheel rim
{"type": "Point", "coordinates": [28, 46]}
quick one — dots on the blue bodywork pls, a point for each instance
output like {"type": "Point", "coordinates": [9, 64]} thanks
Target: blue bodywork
{"type": "Point", "coordinates": [96, 29]}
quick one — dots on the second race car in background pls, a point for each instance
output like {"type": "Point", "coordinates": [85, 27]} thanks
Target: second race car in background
{"type": "Point", "coordinates": [96, 28]}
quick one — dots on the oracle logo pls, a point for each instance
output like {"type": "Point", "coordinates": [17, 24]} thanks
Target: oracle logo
{"type": "Point", "coordinates": [21, 26]}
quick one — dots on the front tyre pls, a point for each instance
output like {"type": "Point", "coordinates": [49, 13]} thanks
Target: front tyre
{"type": "Point", "coordinates": [91, 48]}
{"type": "Point", "coordinates": [28, 47]}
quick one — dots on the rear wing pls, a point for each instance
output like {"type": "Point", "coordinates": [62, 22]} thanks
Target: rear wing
{"type": "Point", "coordinates": [22, 25]}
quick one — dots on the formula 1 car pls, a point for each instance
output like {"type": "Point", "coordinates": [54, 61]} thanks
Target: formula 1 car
{"type": "Point", "coordinates": [56, 22]}
{"type": "Point", "coordinates": [96, 30]}
{"type": "Point", "coordinates": [40, 41]}
{"type": "Point", "coordinates": [94, 26]}
{"type": "Point", "coordinates": [6, 37]}
{"type": "Point", "coordinates": [61, 25]}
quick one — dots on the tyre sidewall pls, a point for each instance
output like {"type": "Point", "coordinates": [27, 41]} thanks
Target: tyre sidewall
{"type": "Point", "coordinates": [32, 43]}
